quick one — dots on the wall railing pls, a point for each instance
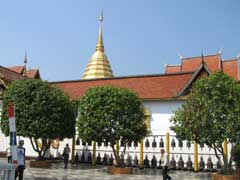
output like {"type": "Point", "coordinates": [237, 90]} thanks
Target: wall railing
{"type": "Point", "coordinates": [184, 151]}
{"type": "Point", "coordinates": [7, 171]}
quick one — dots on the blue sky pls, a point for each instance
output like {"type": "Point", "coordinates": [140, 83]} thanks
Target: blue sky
{"type": "Point", "coordinates": [140, 36]}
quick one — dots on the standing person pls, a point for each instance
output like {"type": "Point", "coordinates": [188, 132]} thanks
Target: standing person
{"type": "Point", "coordinates": [164, 164]}
{"type": "Point", "coordinates": [21, 160]}
{"type": "Point", "coordinates": [9, 154]}
{"type": "Point", "coordinates": [66, 153]}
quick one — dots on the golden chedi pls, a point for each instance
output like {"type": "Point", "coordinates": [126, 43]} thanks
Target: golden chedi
{"type": "Point", "coordinates": [98, 66]}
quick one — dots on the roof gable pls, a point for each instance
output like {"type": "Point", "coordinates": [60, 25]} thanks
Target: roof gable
{"type": "Point", "coordinates": [8, 75]}
{"type": "Point", "coordinates": [33, 73]}
{"type": "Point", "coordinates": [213, 63]}
{"type": "Point", "coordinates": [201, 71]}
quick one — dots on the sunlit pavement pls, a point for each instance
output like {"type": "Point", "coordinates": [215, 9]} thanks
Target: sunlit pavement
{"type": "Point", "coordinates": [87, 172]}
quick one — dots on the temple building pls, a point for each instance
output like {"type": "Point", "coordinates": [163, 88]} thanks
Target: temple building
{"type": "Point", "coordinates": [161, 95]}
{"type": "Point", "coordinates": [9, 74]}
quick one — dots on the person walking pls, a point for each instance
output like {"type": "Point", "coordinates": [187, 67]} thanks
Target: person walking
{"type": "Point", "coordinates": [21, 160]}
{"type": "Point", "coordinates": [9, 154]}
{"type": "Point", "coordinates": [66, 153]}
{"type": "Point", "coordinates": [164, 164]}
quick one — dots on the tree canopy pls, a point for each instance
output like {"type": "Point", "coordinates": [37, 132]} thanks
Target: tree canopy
{"type": "Point", "coordinates": [109, 114]}
{"type": "Point", "coordinates": [42, 112]}
{"type": "Point", "coordinates": [211, 113]}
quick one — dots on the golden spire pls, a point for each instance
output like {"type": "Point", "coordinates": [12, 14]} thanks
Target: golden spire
{"type": "Point", "coordinates": [100, 46]}
{"type": "Point", "coordinates": [98, 66]}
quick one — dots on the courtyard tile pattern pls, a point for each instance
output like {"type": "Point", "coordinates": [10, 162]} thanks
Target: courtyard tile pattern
{"type": "Point", "coordinates": [86, 172]}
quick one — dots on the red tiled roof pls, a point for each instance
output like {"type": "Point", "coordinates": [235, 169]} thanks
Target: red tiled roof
{"type": "Point", "coordinates": [191, 64]}
{"type": "Point", "coordinates": [8, 75]}
{"type": "Point", "coordinates": [212, 62]}
{"type": "Point", "coordinates": [33, 73]}
{"type": "Point", "coordinates": [230, 67]}
{"type": "Point", "coordinates": [147, 87]}
{"type": "Point", "coordinates": [172, 69]}
{"type": "Point", "coordinates": [17, 69]}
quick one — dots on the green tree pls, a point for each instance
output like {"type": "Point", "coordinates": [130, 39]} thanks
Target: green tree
{"type": "Point", "coordinates": [109, 114]}
{"type": "Point", "coordinates": [42, 112]}
{"type": "Point", "coordinates": [211, 114]}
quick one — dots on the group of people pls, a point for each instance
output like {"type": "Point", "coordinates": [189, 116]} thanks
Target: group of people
{"type": "Point", "coordinates": [21, 158]}
{"type": "Point", "coordinates": [164, 161]}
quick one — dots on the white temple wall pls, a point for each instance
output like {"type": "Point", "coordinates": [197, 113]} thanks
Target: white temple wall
{"type": "Point", "coordinates": [161, 112]}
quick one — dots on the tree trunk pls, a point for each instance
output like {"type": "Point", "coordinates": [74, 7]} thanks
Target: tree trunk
{"type": "Point", "coordinates": [119, 163]}
{"type": "Point", "coordinates": [46, 146]}
{"type": "Point", "coordinates": [46, 143]}
{"type": "Point", "coordinates": [227, 165]}
{"type": "Point", "coordinates": [35, 147]}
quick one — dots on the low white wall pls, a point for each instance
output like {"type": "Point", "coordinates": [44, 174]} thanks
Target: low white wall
{"type": "Point", "coordinates": [4, 143]}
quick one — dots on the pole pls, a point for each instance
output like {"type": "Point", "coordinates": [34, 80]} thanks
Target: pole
{"type": "Point", "coordinates": [141, 155]}
{"type": "Point", "coordinates": [195, 157]}
{"type": "Point", "coordinates": [117, 148]}
{"type": "Point", "coordinates": [12, 128]}
{"type": "Point", "coordinates": [73, 148]}
{"type": "Point", "coordinates": [225, 149]}
{"type": "Point", "coordinates": [167, 144]}
{"type": "Point", "coordinates": [94, 154]}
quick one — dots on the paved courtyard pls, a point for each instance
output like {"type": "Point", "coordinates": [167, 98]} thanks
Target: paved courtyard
{"type": "Point", "coordinates": [86, 172]}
